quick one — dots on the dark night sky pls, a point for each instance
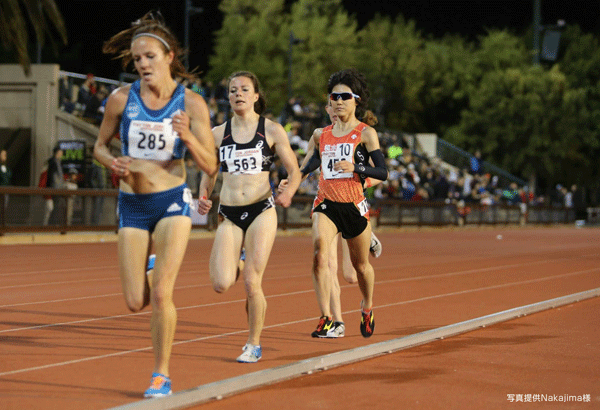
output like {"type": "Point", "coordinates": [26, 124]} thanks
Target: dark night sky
{"type": "Point", "coordinates": [90, 22]}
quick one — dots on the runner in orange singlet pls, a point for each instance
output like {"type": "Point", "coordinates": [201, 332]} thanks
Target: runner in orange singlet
{"type": "Point", "coordinates": [342, 150]}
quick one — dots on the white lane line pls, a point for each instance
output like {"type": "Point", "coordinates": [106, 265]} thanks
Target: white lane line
{"type": "Point", "coordinates": [268, 297]}
{"type": "Point", "coordinates": [380, 268]}
{"type": "Point", "coordinates": [121, 353]}
{"type": "Point", "coordinates": [234, 385]}
{"type": "Point", "coordinates": [204, 270]}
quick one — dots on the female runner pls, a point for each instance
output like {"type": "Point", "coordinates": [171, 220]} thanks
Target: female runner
{"type": "Point", "coordinates": [247, 144]}
{"type": "Point", "coordinates": [157, 119]}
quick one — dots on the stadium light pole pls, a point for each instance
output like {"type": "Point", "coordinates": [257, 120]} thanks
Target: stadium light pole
{"type": "Point", "coordinates": [548, 49]}
{"type": "Point", "coordinates": [189, 11]}
{"type": "Point", "coordinates": [537, 28]}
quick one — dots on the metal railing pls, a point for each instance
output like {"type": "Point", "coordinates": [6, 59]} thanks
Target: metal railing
{"type": "Point", "coordinates": [25, 209]}
{"type": "Point", "coordinates": [461, 159]}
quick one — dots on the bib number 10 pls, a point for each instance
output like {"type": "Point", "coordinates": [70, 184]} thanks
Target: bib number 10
{"type": "Point", "coordinates": [342, 152]}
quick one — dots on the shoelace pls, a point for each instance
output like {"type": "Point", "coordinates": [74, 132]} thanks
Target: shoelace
{"type": "Point", "coordinates": [321, 324]}
{"type": "Point", "coordinates": [367, 320]}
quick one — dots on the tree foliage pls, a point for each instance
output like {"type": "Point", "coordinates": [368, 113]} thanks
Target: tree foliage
{"type": "Point", "coordinates": [254, 38]}
{"type": "Point", "coordinates": [43, 17]}
{"type": "Point", "coordinates": [541, 121]}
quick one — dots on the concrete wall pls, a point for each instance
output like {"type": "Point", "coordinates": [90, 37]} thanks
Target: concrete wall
{"type": "Point", "coordinates": [31, 102]}
{"type": "Point", "coordinates": [427, 144]}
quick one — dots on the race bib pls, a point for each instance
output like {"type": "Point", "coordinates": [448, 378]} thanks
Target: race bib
{"type": "Point", "coordinates": [241, 161]}
{"type": "Point", "coordinates": [152, 140]}
{"type": "Point", "coordinates": [363, 207]}
{"type": "Point", "coordinates": [332, 154]}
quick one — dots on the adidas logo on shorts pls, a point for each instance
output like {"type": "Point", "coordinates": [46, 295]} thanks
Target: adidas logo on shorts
{"type": "Point", "coordinates": [174, 207]}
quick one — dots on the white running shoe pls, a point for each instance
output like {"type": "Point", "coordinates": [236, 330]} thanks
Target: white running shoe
{"type": "Point", "coordinates": [376, 247]}
{"type": "Point", "coordinates": [252, 354]}
{"type": "Point", "coordinates": [337, 330]}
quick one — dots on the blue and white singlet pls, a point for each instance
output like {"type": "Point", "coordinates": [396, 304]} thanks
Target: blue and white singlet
{"type": "Point", "coordinates": [148, 134]}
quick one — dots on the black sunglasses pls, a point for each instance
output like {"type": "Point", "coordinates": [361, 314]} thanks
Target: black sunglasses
{"type": "Point", "coordinates": [343, 96]}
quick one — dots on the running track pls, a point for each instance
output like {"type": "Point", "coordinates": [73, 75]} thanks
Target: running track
{"type": "Point", "coordinates": [68, 342]}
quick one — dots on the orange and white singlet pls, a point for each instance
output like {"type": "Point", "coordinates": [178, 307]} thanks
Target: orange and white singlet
{"type": "Point", "coordinates": [337, 186]}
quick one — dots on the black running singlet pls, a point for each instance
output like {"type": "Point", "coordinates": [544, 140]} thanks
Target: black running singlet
{"type": "Point", "coordinates": [249, 158]}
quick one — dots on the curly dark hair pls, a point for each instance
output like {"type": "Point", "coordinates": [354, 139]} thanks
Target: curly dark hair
{"type": "Point", "coordinates": [357, 83]}
{"type": "Point", "coordinates": [151, 23]}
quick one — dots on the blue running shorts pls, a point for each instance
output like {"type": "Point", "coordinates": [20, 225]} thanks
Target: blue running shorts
{"type": "Point", "coordinates": [143, 211]}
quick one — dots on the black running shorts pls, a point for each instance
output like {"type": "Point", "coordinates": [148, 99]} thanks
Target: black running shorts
{"type": "Point", "coordinates": [345, 216]}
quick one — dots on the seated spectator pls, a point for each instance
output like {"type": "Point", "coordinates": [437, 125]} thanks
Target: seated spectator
{"type": "Point", "coordinates": [476, 164]}
{"type": "Point", "coordinates": [199, 88]}
{"type": "Point", "coordinates": [511, 195]}
{"type": "Point", "coordinates": [87, 89]}
{"type": "Point", "coordinates": [94, 110]}
{"type": "Point", "coordinates": [64, 96]}
{"type": "Point", "coordinates": [310, 185]}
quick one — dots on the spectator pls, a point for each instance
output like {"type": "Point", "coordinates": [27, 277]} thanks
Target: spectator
{"type": "Point", "coordinates": [64, 93]}
{"type": "Point", "coordinates": [287, 115]}
{"type": "Point", "coordinates": [87, 89]}
{"type": "Point", "coordinates": [511, 195]}
{"type": "Point", "coordinates": [567, 197]}
{"type": "Point", "coordinates": [578, 203]}
{"type": "Point", "coordinates": [476, 164]}
{"type": "Point", "coordinates": [97, 181]}
{"type": "Point", "coordinates": [221, 96]}
{"type": "Point", "coordinates": [192, 175]}
{"type": "Point", "coordinates": [5, 174]}
{"type": "Point", "coordinates": [55, 179]}
{"type": "Point", "coordinates": [310, 185]}
{"type": "Point", "coordinates": [557, 198]}
{"type": "Point", "coordinates": [94, 109]}
{"type": "Point", "coordinates": [72, 184]}
{"type": "Point", "coordinates": [199, 88]}
{"type": "Point", "coordinates": [441, 186]}
{"type": "Point", "coordinates": [5, 171]}
{"type": "Point", "coordinates": [220, 118]}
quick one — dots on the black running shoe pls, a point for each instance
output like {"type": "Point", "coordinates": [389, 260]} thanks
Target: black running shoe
{"type": "Point", "coordinates": [367, 324]}
{"type": "Point", "coordinates": [325, 323]}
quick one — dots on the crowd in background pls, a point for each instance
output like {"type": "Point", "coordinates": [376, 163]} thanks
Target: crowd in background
{"type": "Point", "coordinates": [412, 176]}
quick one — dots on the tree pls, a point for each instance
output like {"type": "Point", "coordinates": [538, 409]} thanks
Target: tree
{"type": "Point", "coordinates": [328, 44]}
{"type": "Point", "coordinates": [391, 55]}
{"type": "Point", "coordinates": [527, 121]}
{"type": "Point", "coordinates": [253, 37]}
{"type": "Point", "coordinates": [580, 61]}
{"type": "Point", "coordinates": [14, 28]}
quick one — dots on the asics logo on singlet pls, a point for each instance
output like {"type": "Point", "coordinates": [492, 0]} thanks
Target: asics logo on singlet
{"type": "Point", "coordinates": [323, 206]}
{"type": "Point", "coordinates": [132, 110]}
{"type": "Point", "coordinates": [244, 216]}
{"type": "Point", "coordinates": [266, 160]}
{"type": "Point", "coordinates": [354, 136]}
{"type": "Point", "coordinates": [259, 144]}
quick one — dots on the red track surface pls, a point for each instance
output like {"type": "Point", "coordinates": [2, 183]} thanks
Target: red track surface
{"type": "Point", "coordinates": [68, 342]}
